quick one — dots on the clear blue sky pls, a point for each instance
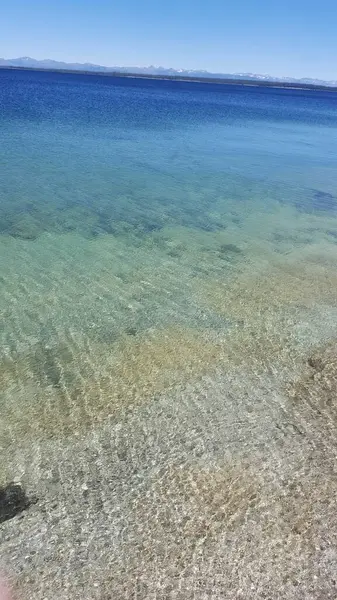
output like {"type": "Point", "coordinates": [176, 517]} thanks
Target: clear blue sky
{"type": "Point", "coordinates": [280, 37]}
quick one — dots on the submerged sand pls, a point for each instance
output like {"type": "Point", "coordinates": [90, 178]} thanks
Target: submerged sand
{"type": "Point", "coordinates": [188, 449]}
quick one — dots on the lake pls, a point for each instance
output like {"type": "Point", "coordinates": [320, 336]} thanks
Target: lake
{"type": "Point", "coordinates": [168, 275]}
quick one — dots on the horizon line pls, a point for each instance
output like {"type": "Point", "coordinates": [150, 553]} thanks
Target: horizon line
{"type": "Point", "coordinates": [177, 69]}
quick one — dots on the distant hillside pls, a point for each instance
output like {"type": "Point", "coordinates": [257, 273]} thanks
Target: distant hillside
{"type": "Point", "coordinates": [27, 62]}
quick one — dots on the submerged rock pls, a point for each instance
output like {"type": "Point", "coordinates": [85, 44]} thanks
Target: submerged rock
{"type": "Point", "coordinates": [316, 362]}
{"type": "Point", "coordinates": [323, 200]}
{"type": "Point", "coordinates": [230, 248]}
{"type": "Point", "coordinates": [13, 500]}
{"type": "Point", "coordinates": [131, 331]}
{"type": "Point", "coordinates": [229, 251]}
{"type": "Point", "coordinates": [25, 228]}
{"type": "Point", "coordinates": [317, 201]}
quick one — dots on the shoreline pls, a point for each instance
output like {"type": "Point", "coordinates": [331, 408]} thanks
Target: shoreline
{"type": "Point", "coordinates": [211, 80]}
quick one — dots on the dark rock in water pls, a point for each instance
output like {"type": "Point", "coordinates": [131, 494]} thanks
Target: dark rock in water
{"type": "Point", "coordinates": [96, 231]}
{"type": "Point", "coordinates": [207, 227]}
{"type": "Point", "coordinates": [230, 248]}
{"type": "Point", "coordinates": [317, 363]}
{"type": "Point", "coordinates": [323, 200]}
{"type": "Point", "coordinates": [150, 226]}
{"type": "Point", "coordinates": [131, 331]}
{"type": "Point", "coordinates": [13, 500]}
{"type": "Point", "coordinates": [45, 363]}
{"type": "Point", "coordinates": [25, 227]}
{"type": "Point", "coordinates": [318, 201]}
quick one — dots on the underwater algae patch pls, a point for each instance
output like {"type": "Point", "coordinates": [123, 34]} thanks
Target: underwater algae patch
{"type": "Point", "coordinates": [58, 390]}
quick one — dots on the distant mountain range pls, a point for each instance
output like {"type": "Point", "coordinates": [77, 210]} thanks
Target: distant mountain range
{"type": "Point", "coordinates": [48, 64]}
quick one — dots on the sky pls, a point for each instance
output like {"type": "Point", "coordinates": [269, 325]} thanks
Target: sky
{"type": "Point", "coordinates": [295, 38]}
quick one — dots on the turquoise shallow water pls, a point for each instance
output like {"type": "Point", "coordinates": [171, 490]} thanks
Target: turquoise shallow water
{"type": "Point", "coordinates": [134, 217]}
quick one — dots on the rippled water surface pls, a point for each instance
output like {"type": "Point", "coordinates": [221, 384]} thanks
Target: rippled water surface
{"type": "Point", "coordinates": [158, 238]}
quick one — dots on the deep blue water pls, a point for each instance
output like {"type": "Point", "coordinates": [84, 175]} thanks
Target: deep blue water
{"type": "Point", "coordinates": [139, 150]}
